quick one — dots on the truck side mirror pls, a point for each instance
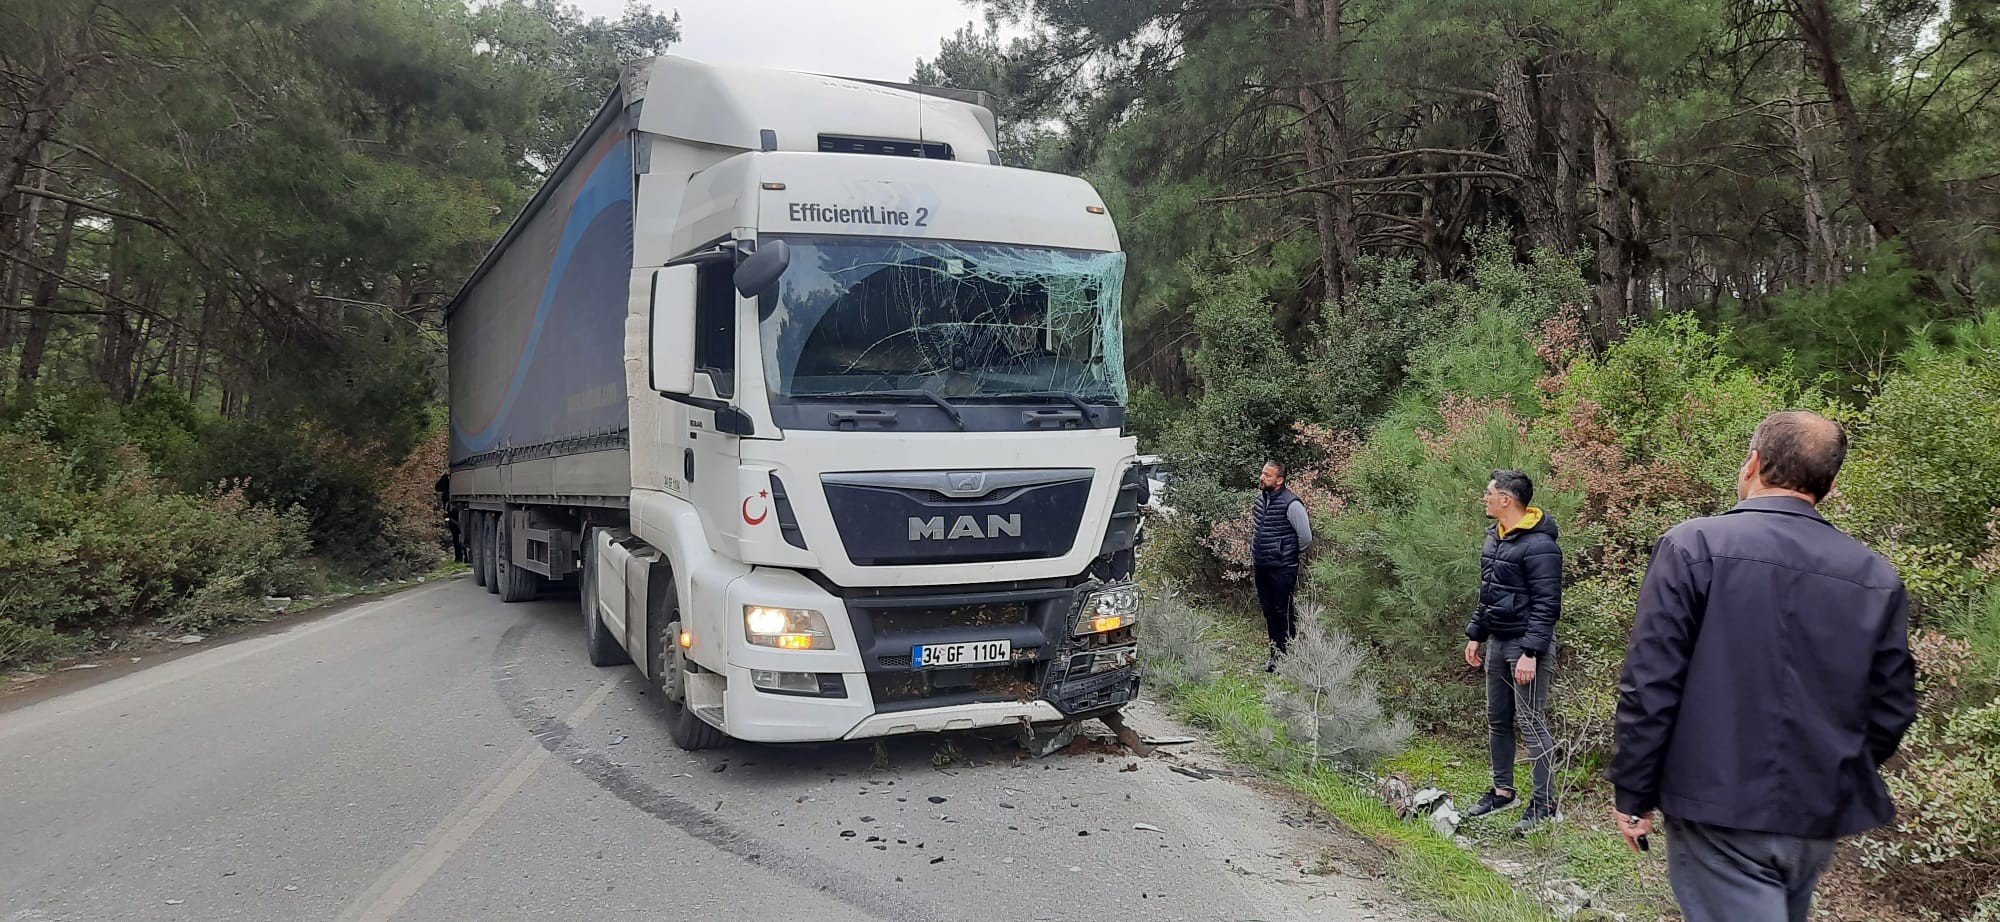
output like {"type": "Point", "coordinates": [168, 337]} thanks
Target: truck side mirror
{"type": "Point", "coordinates": [755, 275]}
{"type": "Point", "coordinates": [672, 337]}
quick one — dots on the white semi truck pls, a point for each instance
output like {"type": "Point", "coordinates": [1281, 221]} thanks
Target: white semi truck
{"type": "Point", "coordinates": [818, 405]}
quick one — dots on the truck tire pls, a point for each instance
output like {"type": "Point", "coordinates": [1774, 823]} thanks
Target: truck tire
{"type": "Point", "coordinates": [690, 733]}
{"type": "Point", "coordinates": [604, 649]}
{"type": "Point", "coordinates": [489, 549]}
{"type": "Point", "coordinates": [517, 583]}
{"type": "Point", "coordinates": [475, 547]}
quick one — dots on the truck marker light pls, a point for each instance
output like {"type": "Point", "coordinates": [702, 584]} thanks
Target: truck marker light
{"type": "Point", "coordinates": [1104, 623]}
{"type": "Point", "coordinates": [1094, 209]}
{"type": "Point", "coordinates": [795, 641]}
{"type": "Point", "coordinates": [774, 187]}
{"type": "Point", "coordinates": [687, 640]}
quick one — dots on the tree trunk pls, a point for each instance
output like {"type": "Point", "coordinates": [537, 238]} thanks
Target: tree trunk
{"type": "Point", "coordinates": [1816, 28]}
{"type": "Point", "coordinates": [1348, 240]}
{"type": "Point", "coordinates": [210, 303]}
{"type": "Point", "coordinates": [1612, 273]}
{"type": "Point", "coordinates": [1324, 166]}
{"type": "Point", "coordinates": [34, 345]}
{"type": "Point", "coordinates": [1520, 133]}
{"type": "Point", "coordinates": [1822, 252]}
{"type": "Point", "coordinates": [18, 236]}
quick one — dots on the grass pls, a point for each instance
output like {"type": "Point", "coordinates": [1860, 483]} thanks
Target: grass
{"type": "Point", "coordinates": [1448, 879]}
{"type": "Point", "coordinates": [1442, 875]}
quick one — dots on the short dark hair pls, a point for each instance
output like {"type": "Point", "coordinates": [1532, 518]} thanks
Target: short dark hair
{"type": "Point", "coordinates": [1800, 450]}
{"type": "Point", "coordinates": [1283, 471]}
{"type": "Point", "coordinates": [1515, 484]}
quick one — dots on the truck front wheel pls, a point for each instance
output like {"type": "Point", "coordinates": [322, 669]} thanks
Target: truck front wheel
{"type": "Point", "coordinates": [670, 673]}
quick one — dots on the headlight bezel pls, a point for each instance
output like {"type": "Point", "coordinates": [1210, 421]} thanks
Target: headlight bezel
{"type": "Point", "coordinates": [1108, 608]}
{"type": "Point", "coordinates": [799, 629]}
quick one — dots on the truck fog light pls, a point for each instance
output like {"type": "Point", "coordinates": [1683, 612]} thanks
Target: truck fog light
{"type": "Point", "coordinates": [798, 683]}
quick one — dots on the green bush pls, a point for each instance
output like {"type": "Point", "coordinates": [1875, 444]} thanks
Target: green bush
{"type": "Point", "coordinates": [1947, 794]}
{"type": "Point", "coordinates": [1925, 467]}
{"type": "Point", "coordinates": [89, 548]}
{"type": "Point", "coordinates": [1847, 335]}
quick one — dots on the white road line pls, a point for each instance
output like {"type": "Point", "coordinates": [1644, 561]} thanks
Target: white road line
{"type": "Point", "coordinates": [69, 706]}
{"type": "Point", "coordinates": [386, 897]}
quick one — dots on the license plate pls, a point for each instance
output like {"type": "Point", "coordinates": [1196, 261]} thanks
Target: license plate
{"type": "Point", "coordinates": [945, 655]}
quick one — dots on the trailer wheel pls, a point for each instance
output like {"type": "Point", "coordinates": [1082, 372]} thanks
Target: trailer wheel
{"type": "Point", "coordinates": [489, 526]}
{"type": "Point", "coordinates": [517, 583]}
{"type": "Point", "coordinates": [603, 648]}
{"type": "Point", "coordinates": [475, 547]}
{"type": "Point", "coordinates": [670, 670]}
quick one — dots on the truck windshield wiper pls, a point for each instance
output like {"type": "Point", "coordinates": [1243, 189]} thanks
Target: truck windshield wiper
{"type": "Point", "coordinates": [1089, 415]}
{"type": "Point", "coordinates": [957, 418]}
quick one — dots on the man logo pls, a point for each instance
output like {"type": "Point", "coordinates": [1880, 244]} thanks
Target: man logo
{"type": "Point", "coordinates": [965, 526]}
{"type": "Point", "coordinates": [971, 483]}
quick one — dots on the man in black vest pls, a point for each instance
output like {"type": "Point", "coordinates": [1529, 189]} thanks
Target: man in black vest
{"type": "Point", "coordinates": [1520, 598]}
{"type": "Point", "coordinates": [1281, 533]}
{"type": "Point", "coordinates": [1768, 678]}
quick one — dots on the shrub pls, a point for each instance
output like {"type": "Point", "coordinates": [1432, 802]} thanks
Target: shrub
{"type": "Point", "coordinates": [1331, 713]}
{"type": "Point", "coordinates": [86, 549]}
{"type": "Point", "coordinates": [1925, 468]}
{"type": "Point", "coordinates": [1947, 793]}
{"type": "Point", "coordinates": [1174, 641]}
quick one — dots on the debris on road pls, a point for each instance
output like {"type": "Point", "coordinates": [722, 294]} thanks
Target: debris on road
{"type": "Point", "coordinates": [80, 666]}
{"type": "Point", "coordinates": [190, 638]}
{"type": "Point", "coordinates": [1042, 746]}
{"type": "Point", "coordinates": [1195, 773]}
{"type": "Point", "coordinates": [1167, 740]}
{"type": "Point", "coordinates": [1146, 827]}
{"type": "Point", "coordinates": [1126, 736]}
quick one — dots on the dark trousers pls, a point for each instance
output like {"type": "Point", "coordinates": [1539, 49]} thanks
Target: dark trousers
{"type": "Point", "coordinates": [1274, 592]}
{"type": "Point", "coordinates": [1729, 875]}
{"type": "Point", "coordinates": [1509, 703]}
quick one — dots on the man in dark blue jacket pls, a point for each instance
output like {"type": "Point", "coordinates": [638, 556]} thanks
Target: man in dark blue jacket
{"type": "Point", "coordinates": [1767, 679]}
{"type": "Point", "coordinates": [1520, 598]}
{"type": "Point", "coordinates": [1280, 533]}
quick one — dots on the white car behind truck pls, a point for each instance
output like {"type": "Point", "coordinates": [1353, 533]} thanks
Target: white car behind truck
{"type": "Point", "coordinates": [818, 406]}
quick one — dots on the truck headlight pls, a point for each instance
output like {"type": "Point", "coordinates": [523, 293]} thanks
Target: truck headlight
{"type": "Point", "coordinates": [786, 628]}
{"type": "Point", "coordinates": [1109, 609]}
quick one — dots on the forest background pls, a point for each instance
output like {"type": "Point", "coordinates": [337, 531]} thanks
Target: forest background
{"type": "Point", "coordinates": [1393, 244]}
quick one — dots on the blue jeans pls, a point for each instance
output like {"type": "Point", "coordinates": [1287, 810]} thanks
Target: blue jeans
{"type": "Point", "coordinates": [1509, 703]}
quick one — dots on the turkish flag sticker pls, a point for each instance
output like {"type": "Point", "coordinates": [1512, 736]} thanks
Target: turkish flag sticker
{"type": "Point", "coordinates": [764, 511]}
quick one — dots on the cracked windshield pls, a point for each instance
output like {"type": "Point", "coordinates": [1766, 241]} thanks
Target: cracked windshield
{"type": "Point", "coordinates": [863, 315]}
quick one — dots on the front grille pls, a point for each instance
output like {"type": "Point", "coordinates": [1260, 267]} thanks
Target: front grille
{"type": "Point", "coordinates": [905, 620]}
{"type": "Point", "coordinates": [902, 691]}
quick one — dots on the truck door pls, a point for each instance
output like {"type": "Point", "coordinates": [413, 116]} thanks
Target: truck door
{"type": "Point", "coordinates": [710, 453]}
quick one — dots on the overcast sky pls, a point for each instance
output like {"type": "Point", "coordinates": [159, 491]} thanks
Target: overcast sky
{"type": "Point", "coordinates": [873, 39]}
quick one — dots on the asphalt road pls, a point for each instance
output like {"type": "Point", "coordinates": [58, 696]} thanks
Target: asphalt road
{"type": "Point", "coordinates": [440, 755]}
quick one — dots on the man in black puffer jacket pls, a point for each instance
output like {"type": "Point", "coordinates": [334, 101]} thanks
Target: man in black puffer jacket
{"type": "Point", "coordinates": [1280, 533]}
{"type": "Point", "coordinates": [1520, 598]}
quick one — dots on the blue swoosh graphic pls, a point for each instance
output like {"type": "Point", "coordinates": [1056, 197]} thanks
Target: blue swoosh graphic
{"type": "Point", "coordinates": [601, 190]}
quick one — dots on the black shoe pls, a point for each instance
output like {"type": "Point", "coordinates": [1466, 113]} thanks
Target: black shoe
{"type": "Point", "coordinates": [1537, 816]}
{"type": "Point", "coordinates": [1493, 802]}
{"type": "Point", "coordinates": [1271, 665]}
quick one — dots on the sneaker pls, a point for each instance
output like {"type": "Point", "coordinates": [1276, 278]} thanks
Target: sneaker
{"type": "Point", "coordinates": [1537, 816]}
{"type": "Point", "coordinates": [1493, 802]}
{"type": "Point", "coordinates": [1271, 665]}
